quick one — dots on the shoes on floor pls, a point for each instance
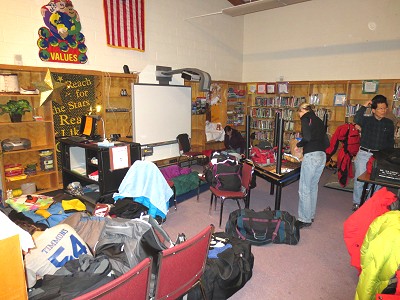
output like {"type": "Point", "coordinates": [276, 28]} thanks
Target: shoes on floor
{"type": "Point", "coordinates": [301, 224]}
{"type": "Point", "coordinates": [355, 207]}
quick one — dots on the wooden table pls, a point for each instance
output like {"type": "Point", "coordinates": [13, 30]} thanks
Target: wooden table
{"type": "Point", "coordinates": [365, 177]}
{"type": "Point", "coordinates": [290, 172]}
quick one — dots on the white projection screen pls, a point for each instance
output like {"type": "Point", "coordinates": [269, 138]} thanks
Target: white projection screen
{"type": "Point", "coordinates": [159, 114]}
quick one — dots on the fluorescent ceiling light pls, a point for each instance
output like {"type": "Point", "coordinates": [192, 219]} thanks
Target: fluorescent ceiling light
{"type": "Point", "coordinates": [252, 7]}
{"type": "Point", "coordinates": [257, 6]}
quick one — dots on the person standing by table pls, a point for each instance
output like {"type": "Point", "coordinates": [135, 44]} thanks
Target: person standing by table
{"type": "Point", "coordinates": [314, 144]}
{"type": "Point", "coordinates": [377, 133]}
{"type": "Point", "coordinates": [234, 140]}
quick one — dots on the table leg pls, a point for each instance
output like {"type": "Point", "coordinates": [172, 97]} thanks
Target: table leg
{"type": "Point", "coordinates": [271, 191]}
{"type": "Point", "coordinates": [372, 189]}
{"type": "Point", "coordinates": [278, 197]}
{"type": "Point", "coordinates": [364, 193]}
{"type": "Point", "coordinates": [247, 200]}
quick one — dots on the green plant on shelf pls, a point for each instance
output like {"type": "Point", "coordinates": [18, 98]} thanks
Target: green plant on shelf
{"type": "Point", "coordinates": [16, 109]}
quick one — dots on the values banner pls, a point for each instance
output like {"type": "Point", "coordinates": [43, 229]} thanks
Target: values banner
{"type": "Point", "coordinates": [125, 23]}
{"type": "Point", "coordinates": [62, 40]}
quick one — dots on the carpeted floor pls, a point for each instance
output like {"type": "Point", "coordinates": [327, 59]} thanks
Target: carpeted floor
{"type": "Point", "coordinates": [333, 183]}
{"type": "Point", "coordinates": [317, 268]}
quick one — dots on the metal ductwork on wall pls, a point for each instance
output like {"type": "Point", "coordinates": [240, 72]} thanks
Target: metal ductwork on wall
{"type": "Point", "coordinates": [164, 76]}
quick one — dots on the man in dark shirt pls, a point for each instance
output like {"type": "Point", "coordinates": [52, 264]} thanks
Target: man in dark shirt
{"type": "Point", "coordinates": [377, 133]}
{"type": "Point", "coordinates": [234, 140]}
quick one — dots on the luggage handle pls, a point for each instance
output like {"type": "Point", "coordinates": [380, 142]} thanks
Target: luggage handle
{"type": "Point", "coordinates": [264, 235]}
{"type": "Point", "coordinates": [259, 237]}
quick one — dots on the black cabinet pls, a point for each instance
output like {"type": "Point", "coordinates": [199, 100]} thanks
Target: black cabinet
{"type": "Point", "coordinates": [90, 165]}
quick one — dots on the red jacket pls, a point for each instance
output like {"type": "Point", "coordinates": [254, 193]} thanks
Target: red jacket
{"type": "Point", "coordinates": [356, 226]}
{"type": "Point", "coordinates": [350, 138]}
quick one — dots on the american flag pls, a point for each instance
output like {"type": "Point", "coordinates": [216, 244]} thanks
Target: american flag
{"type": "Point", "coordinates": [125, 23]}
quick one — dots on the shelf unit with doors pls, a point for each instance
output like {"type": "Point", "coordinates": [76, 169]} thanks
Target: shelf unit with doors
{"type": "Point", "coordinates": [117, 103]}
{"type": "Point", "coordinates": [39, 131]}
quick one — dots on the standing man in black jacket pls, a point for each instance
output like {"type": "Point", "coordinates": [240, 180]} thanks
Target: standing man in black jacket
{"type": "Point", "coordinates": [377, 133]}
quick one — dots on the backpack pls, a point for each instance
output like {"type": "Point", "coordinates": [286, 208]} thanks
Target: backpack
{"type": "Point", "coordinates": [262, 156]}
{"type": "Point", "coordinates": [127, 242]}
{"type": "Point", "coordinates": [224, 176]}
{"type": "Point", "coordinates": [263, 227]}
{"type": "Point", "coordinates": [349, 136]}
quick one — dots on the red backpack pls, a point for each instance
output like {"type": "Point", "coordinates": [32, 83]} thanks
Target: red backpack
{"type": "Point", "coordinates": [349, 136]}
{"type": "Point", "coordinates": [262, 156]}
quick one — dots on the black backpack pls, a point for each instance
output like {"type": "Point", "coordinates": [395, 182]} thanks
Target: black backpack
{"type": "Point", "coordinates": [263, 227]}
{"type": "Point", "coordinates": [224, 173]}
{"type": "Point", "coordinates": [227, 273]}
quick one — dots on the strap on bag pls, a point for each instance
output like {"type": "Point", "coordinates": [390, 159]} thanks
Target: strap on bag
{"type": "Point", "coordinates": [259, 237]}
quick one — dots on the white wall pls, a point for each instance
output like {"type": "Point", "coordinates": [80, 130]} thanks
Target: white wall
{"type": "Point", "coordinates": [323, 40]}
{"type": "Point", "coordinates": [315, 40]}
{"type": "Point", "coordinates": [213, 44]}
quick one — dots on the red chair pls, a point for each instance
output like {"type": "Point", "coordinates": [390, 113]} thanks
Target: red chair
{"type": "Point", "coordinates": [247, 171]}
{"type": "Point", "coordinates": [181, 267]}
{"type": "Point", "coordinates": [134, 284]}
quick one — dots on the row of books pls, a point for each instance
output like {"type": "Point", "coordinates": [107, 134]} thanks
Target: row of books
{"type": "Point", "coordinates": [270, 124]}
{"type": "Point", "coordinates": [269, 135]}
{"type": "Point", "coordinates": [321, 112]}
{"type": "Point", "coordinates": [315, 99]}
{"type": "Point", "coordinates": [264, 112]}
{"type": "Point", "coordinates": [279, 101]}
{"type": "Point", "coordinates": [236, 120]}
{"type": "Point", "coordinates": [351, 110]}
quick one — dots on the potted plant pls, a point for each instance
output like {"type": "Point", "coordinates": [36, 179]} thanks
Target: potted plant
{"type": "Point", "coordinates": [15, 108]}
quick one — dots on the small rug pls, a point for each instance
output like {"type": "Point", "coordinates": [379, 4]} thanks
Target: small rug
{"type": "Point", "coordinates": [333, 183]}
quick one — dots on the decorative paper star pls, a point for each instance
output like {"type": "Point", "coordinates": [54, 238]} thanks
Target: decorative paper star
{"type": "Point", "coordinates": [47, 87]}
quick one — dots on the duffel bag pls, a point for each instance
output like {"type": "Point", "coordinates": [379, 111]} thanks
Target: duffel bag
{"type": "Point", "coordinates": [228, 268]}
{"type": "Point", "coordinates": [263, 227]}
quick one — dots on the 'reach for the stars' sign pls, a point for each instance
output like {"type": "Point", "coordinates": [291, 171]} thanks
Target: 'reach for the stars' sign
{"type": "Point", "coordinates": [62, 40]}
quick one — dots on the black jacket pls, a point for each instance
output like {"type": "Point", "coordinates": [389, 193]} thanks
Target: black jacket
{"type": "Point", "coordinates": [313, 132]}
{"type": "Point", "coordinates": [236, 141]}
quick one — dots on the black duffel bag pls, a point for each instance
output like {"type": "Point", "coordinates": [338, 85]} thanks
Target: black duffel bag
{"type": "Point", "coordinates": [228, 272]}
{"type": "Point", "coordinates": [263, 227]}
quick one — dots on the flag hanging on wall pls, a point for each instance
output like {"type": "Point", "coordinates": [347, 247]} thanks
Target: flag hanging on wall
{"type": "Point", "coordinates": [125, 23]}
